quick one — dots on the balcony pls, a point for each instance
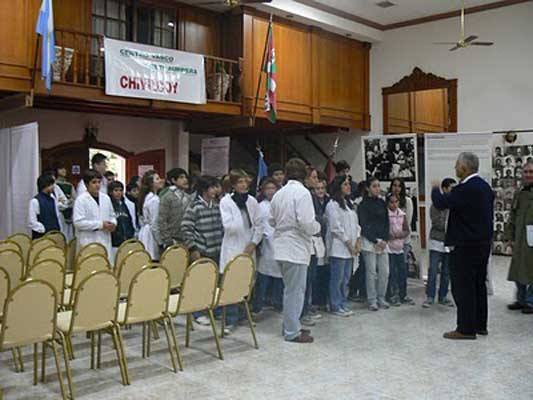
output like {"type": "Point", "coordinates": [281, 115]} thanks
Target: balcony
{"type": "Point", "coordinates": [79, 79]}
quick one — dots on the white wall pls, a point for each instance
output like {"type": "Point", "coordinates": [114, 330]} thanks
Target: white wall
{"type": "Point", "coordinates": [495, 84]}
{"type": "Point", "coordinates": [133, 134]}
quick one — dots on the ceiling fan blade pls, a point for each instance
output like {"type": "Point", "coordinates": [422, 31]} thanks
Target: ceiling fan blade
{"type": "Point", "coordinates": [213, 3]}
{"type": "Point", "coordinates": [244, 2]}
{"type": "Point", "coordinates": [455, 48]}
{"type": "Point", "coordinates": [446, 43]}
{"type": "Point", "coordinates": [470, 38]}
{"type": "Point", "coordinates": [481, 43]}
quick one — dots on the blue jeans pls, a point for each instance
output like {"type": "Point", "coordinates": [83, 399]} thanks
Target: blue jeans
{"type": "Point", "coordinates": [262, 283]}
{"type": "Point", "coordinates": [294, 279]}
{"type": "Point", "coordinates": [311, 278]}
{"type": "Point", "coordinates": [398, 275]}
{"type": "Point", "coordinates": [341, 272]}
{"type": "Point", "coordinates": [524, 294]}
{"type": "Point", "coordinates": [436, 258]}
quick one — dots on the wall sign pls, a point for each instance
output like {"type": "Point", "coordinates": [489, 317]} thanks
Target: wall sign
{"type": "Point", "coordinates": [138, 70]}
{"type": "Point", "coordinates": [215, 156]}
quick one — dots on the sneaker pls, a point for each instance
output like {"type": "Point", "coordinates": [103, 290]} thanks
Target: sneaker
{"type": "Point", "coordinates": [347, 310]}
{"type": "Point", "coordinates": [342, 313]}
{"type": "Point", "coordinates": [314, 314]}
{"type": "Point", "coordinates": [373, 307]}
{"type": "Point", "coordinates": [428, 303]}
{"type": "Point", "coordinates": [307, 321]}
{"type": "Point", "coordinates": [384, 305]}
{"type": "Point", "coordinates": [203, 320]}
{"type": "Point", "coordinates": [395, 303]}
{"type": "Point", "coordinates": [515, 306]}
{"type": "Point", "coordinates": [229, 329]}
{"type": "Point", "coordinates": [408, 300]}
{"type": "Point", "coordinates": [446, 302]}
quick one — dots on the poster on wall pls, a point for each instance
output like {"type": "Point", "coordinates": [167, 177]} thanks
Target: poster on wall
{"type": "Point", "coordinates": [392, 156]}
{"type": "Point", "coordinates": [508, 162]}
{"type": "Point", "coordinates": [441, 151]}
{"type": "Point", "coordinates": [138, 70]}
{"type": "Point", "coordinates": [215, 156]}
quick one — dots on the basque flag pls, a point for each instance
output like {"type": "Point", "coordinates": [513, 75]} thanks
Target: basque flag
{"type": "Point", "coordinates": [270, 69]}
{"type": "Point", "coordinates": [45, 28]}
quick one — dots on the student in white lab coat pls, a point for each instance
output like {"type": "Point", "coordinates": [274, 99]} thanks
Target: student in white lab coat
{"type": "Point", "coordinates": [93, 215]}
{"type": "Point", "coordinates": [242, 229]}
{"type": "Point", "coordinates": [99, 164]}
{"type": "Point", "coordinates": [148, 212]}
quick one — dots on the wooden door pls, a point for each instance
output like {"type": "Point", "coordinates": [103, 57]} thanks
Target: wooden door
{"type": "Point", "coordinates": [75, 157]}
{"type": "Point", "coordinates": [139, 163]}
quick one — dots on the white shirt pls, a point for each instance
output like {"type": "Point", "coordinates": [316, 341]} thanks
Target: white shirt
{"type": "Point", "coordinates": [343, 226]}
{"type": "Point", "coordinates": [266, 262]}
{"type": "Point", "coordinates": [292, 215]}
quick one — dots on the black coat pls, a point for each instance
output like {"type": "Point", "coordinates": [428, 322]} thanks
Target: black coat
{"type": "Point", "coordinates": [374, 219]}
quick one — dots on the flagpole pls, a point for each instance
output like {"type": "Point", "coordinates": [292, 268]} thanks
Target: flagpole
{"type": "Point", "coordinates": [261, 74]}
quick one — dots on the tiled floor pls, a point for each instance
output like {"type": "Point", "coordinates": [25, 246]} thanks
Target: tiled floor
{"type": "Point", "coordinates": [393, 354]}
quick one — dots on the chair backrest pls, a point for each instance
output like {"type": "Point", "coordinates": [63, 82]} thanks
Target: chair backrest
{"type": "Point", "coordinates": [24, 241]}
{"type": "Point", "coordinates": [237, 281]}
{"type": "Point", "coordinates": [96, 303]}
{"type": "Point", "coordinates": [125, 248]}
{"type": "Point", "coordinates": [71, 255]}
{"type": "Point", "coordinates": [29, 314]}
{"type": "Point", "coordinates": [51, 253]}
{"type": "Point", "coordinates": [91, 249]}
{"type": "Point", "coordinates": [130, 265]}
{"type": "Point", "coordinates": [57, 237]}
{"type": "Point", "coordinates": [4, 287]}
{"type": "Point", "coordinates": [36, 246]}
{"type": "Point", "coordinates": [175, 259]}
{"type": "Point", "coordinates": [13, 263]}
{"type": "Point", "coordinates": [9, 244]}
{"type": "Point", "coordinates": [148, 294]}
{"type": "Point", "coordinates": [199, 286]}
{"type": "Point", "coordinates": [88, 265]}
{"type": "Point", "coordinates": [50, 271]}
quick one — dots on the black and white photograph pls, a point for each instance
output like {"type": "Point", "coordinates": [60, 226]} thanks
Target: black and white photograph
{"type": "Point", "coordinates": [388, 158]}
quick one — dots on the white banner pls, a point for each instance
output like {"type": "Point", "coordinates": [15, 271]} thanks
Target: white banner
{"type": "Point", "coordinates": [215, 156]}
{"type": "Point", "coordinates": [138, 70]}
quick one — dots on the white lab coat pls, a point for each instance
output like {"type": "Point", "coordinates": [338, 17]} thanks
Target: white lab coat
{"type": "Point", "coordinates": [266, 263]}
{"type": "Point", "coordinates": [236, 235]}
{"type": "Point", "coordinates": [88, 218]}
{"type": "Point", "coordinates": [149, 232]}
{"type": "Point", "coordinates": [62, 204]}
{"type": "Point", "coordinates": [292, 215]}
{"type": "Point", "coordinates": [343, 226]}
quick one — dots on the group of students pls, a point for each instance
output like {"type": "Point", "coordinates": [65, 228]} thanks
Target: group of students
{"type": "Point", "coordinates": [352, 229]}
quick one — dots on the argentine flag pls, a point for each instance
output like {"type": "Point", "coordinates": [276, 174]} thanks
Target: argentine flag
{"type": "Point", "coordinates": [45, 28]}
{"type": "Point", "coordinates": [262, 170]}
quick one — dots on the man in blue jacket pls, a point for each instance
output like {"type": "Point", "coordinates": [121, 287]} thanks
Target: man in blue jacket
{"type": "Point", "coordinates": [469, 234]}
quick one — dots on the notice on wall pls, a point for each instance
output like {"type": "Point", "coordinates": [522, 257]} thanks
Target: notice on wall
{"type": "Point", "coordinates": [215, 156]}
{"type": "Point", "coordinates": [441, 154]}
{"type": "Point", "coordinates": [143, 169]}
{"type": "Point", "coordinates": [138, 70]}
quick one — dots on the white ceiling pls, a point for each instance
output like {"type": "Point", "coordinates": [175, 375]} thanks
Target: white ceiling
{"type": "Point", "coordinates": [402, 11]}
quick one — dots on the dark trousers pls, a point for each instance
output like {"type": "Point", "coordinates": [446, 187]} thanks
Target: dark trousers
{"type": "Point", "coordinates": [468, 272]}
{"type": "Point", "coordinates": [397, 276]}
{"type": "Point", "coordinates": [358, 281]}
{"type": "Point", "coordinates": [321, 286]}
{"type": "Point", "coordinates": [262, 284]}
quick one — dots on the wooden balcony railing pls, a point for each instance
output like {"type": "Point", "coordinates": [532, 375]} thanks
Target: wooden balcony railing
{"type": "Point", "coordinates": [80, 62]}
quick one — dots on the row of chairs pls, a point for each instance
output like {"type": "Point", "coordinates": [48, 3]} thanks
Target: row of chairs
{"type": "Point", "coordinates": [92, 302]}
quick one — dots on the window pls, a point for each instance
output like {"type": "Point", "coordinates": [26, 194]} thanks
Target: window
{"type": "Point", "coordinates": [126, 20]}
{"type": "Point", "coordinates": [155, 27]}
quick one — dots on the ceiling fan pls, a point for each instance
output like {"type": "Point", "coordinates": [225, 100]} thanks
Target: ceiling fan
{"type": "Point", "coordinates": [465, 42]}
{"type": "Point", "coordinates": [233, 3]}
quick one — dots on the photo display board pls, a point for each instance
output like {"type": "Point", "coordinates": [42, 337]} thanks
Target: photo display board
{"type": "Point", "coordinates": [392, 156]}
{"type": "Point", "coordinates": [508, 162]}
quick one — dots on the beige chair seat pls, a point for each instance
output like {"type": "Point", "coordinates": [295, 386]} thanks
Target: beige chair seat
{"type": "Point", "coordinates": [66, 297]}
{"type": "Point", "coordinates": [69, 277]}
{"type": "Point", "coordinates": [63, 320]}
{"type": "Point", "coordinates": [8, 344]}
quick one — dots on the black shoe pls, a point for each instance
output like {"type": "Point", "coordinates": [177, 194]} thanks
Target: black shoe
{"type": "Point", "coordinates": [515, 306]}
{"type": "Point", "coordinates": [527, 310]}
{"type": "Point", "coordinates": [483, 332]}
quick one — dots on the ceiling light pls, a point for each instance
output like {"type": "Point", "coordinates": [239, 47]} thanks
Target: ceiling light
{"type": "Point", "coordinates": [385, 4]}
{"type": "Point", "coordinates": [102, 49]}
{"type": "Point", "coordinates": [171, 24]}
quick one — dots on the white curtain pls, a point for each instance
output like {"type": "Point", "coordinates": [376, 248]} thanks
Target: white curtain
{"type": "Point", "coordinates": [19, 170]}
